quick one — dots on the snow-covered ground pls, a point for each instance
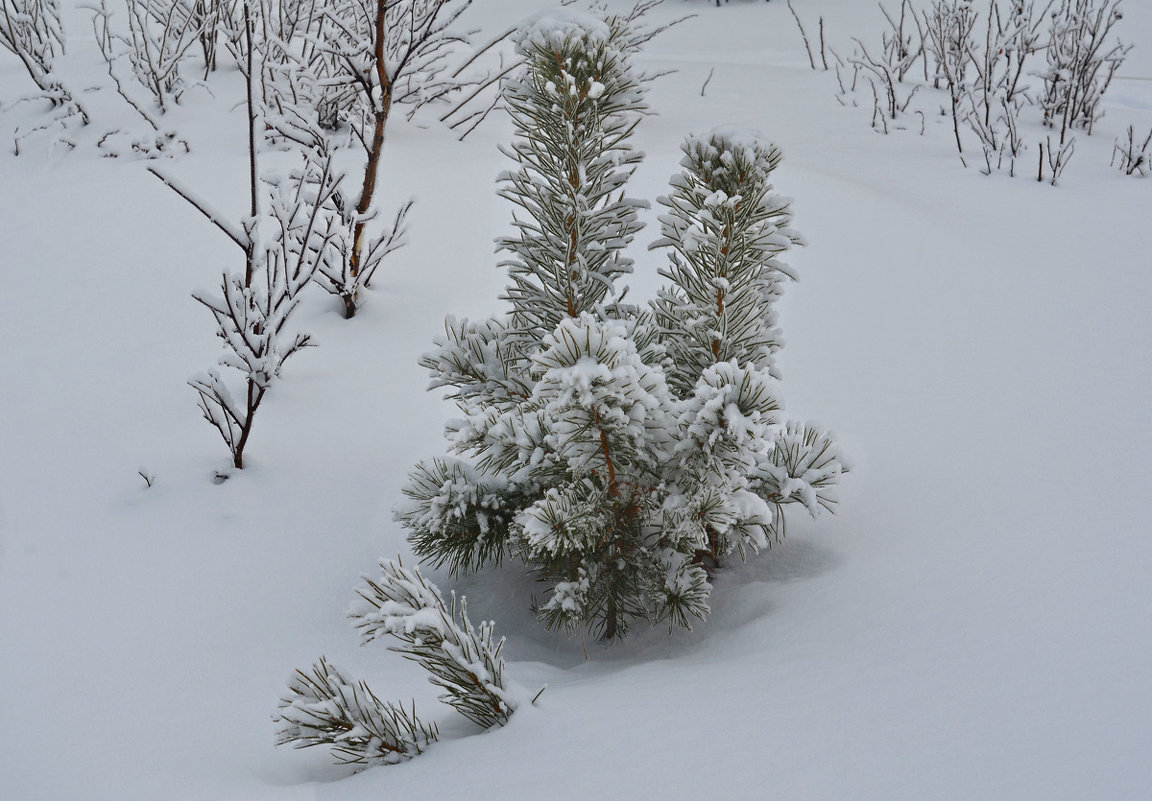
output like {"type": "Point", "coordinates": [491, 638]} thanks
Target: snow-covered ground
{"type": "Point", "coordinates": [974, 623]}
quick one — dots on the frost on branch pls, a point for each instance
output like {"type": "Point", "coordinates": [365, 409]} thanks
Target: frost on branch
{"type": "Point", "coordinates": [31, 31]}
{"type": "Point", "coordinates": [325, 707]}
{"type": "Point", "coordinates": [253, 308]}
{"type": "Point", "coordinates": [333, 75]}
{"type": "Point", "coordinates": [462, 660]}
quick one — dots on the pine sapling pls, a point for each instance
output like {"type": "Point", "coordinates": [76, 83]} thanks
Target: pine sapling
{"type": "Point", "coordinates": [619, 451]}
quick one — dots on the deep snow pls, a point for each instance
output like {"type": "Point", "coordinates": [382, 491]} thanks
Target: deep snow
{"type": "Point", "coordinates": [974, 623]}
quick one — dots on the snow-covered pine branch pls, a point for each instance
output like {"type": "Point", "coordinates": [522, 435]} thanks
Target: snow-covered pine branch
{"type": "Point", "coordinates": [326, 707]}
{"type": "Point", "coordinates": [574, 108]}
{"type": "Point", "coordinates": [725, 230]}
{"type": "Point", "coordinates": [458, 516]}
{"type": "Point", "coordinates": [462, 660]}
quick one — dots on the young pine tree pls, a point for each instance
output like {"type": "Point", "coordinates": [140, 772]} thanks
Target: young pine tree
{"type": "Point", "coordinates": [618, 451]}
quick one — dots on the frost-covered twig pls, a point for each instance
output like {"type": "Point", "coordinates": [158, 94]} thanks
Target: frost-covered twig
{"type": "Point", "coordinates": [1082, 61]}
{"type": "Point", "coordinates": [252, 308]}
{"type": "Point", "coordinates": [803, 35]}
{"type": "Point", "coordinates": [1057, 157]}
{"type": "Point", "coordinates": [1133, 157]}
{"type": "Point", "coordinates": [31, 30]}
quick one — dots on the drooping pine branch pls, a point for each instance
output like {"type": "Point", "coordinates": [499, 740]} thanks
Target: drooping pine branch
{"type": "Point", "coordinates": [326, 707]}
{"type": "Point", "coordinates": [462, 660]}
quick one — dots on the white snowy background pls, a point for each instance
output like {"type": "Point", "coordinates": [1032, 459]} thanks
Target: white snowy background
{"type": "Point", "coordinates": [974, 623]}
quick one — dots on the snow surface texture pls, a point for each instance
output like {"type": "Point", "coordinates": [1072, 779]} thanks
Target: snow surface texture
{"type": "Point", "coordinates": [973, 624]}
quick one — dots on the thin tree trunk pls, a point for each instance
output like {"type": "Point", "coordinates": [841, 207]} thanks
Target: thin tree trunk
{"type": "Point", "coordinates": [380, 110]}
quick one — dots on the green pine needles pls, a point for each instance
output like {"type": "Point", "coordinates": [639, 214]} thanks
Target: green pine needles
{"type": "Point", "coordinates": [621, 452]}
{"type": "Point", "coordinates": [326, 707]}
{"type": "Point", "coordinates": [573, 110]}
{"type": "Point", "coordinates": [725, 229]}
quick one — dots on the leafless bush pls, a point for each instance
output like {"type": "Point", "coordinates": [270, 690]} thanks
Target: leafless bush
{"type": "Point", "coordinates": [1057, 158]}
{"type": "Point", "coordinates": [995, 98]}
{"type": "Point", "coordinates": [347, 65]}
{"type": "Point", "coordinates": [159, 37]}
{"type": "Point", "coordinates": [1011, 38]}
{"type": "Point", "coordinates": [890, 97]}
{"type": "Point", "coordinates": [211, 19]}
{"type": "Point", "coordinates": [998, 134]}
{"type": "Point", "coordinates": [949, 26]}
{"type": "Point", "coordinates": [903, 46]}
{"type": "Point", "coordinates": [31, 30]}
{"type": "Point", "coordinates": [807, 44]}
{"type": "Point", "coordinates": [1133, 157]}
{"type": "Point", "coordinates": [252, 309]}
{"type": "Point", "coordinates": [1082, 60]}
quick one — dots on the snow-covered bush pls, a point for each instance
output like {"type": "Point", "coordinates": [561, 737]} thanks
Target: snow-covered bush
{"type": "Point", "coordinates": [982, 55]}
{"type": "Point", "coordinates": [620, 451]}
{"type": "Point", "coordinates": [31, 31]}
{"type": "Point", "coordinates": [948, 38]}
{"type": "Point", "coordinates": [325, 707]}
{"type": "Point", "coordinates": [156, 39]}
{"type": "Point", "coordinates": [340, 68]}
{"type": "Point", "coordinates": [1133, 157]}
{"type": "Point", "coordinates": [253, 308]}
{"type": "Point", "coordinates": [1082, 59]}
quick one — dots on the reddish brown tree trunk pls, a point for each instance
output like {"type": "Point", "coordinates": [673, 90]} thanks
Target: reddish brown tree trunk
{"type": "Point", "coordinates": [380, 109]}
